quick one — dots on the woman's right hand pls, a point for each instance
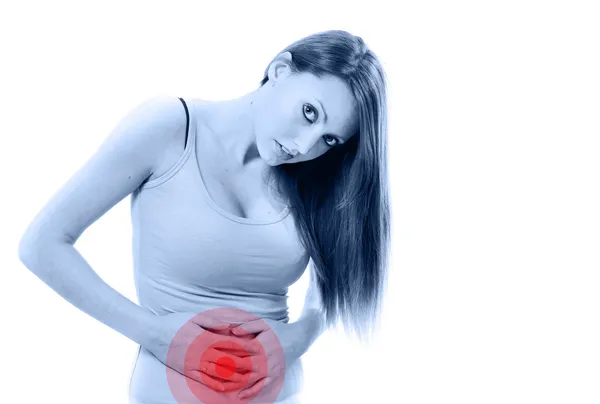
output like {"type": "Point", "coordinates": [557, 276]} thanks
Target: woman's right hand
{"type": "Point", "coordinates": [166, 327]}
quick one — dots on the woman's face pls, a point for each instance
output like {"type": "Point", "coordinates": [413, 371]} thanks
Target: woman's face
{"type": "Point", "coordinates": [306, 114]}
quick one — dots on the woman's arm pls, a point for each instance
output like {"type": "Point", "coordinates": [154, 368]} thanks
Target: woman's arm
{"type": "Point", "coordinates": [62, 267]}
{"type": "Point", "coordinates": [125, 159]}
{"type": "Point", "coordinates": [312, 320]}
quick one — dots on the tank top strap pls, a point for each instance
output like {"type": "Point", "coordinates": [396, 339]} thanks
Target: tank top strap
{"type": "Point", "coordinates": [187, 124]}
{"type": "Point", "coordinates": [187, 152]}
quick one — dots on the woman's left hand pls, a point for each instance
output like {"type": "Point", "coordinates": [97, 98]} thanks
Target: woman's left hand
{"type": "Point", "coordinates": [273, 336]}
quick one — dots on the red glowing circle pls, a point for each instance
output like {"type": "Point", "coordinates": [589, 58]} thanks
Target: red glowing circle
{"type": "Point", "coordinates": [205, 346]}
{"type": "Point", "coordinates": [199, 347]}
{"type": "Point", "coordinates": [225, 368]}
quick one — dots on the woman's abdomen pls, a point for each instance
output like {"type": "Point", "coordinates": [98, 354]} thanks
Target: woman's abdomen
{"type": "Point", "coordinates": [149, 383]}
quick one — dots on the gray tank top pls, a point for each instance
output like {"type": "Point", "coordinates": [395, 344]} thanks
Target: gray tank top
{"type": "Point", "coordinates": [190, 255]}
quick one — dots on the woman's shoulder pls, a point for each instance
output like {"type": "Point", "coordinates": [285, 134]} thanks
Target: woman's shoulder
{"type": "Point", "coordinates": [172, 109]}
{"type": "Point", "coordinates": [197, 109]}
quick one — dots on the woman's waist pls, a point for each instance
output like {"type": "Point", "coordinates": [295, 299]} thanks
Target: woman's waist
{"type": "Point", "coordinates": [161, 301]}
{"type": "Point", "coordinates": [151, 384]}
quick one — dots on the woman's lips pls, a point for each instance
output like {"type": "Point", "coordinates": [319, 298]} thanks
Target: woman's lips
{"type": "Point", "coordinates": [284, 155]}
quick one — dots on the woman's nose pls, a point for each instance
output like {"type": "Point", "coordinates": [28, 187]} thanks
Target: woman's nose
{"type": "Point", "coordinates": [306, 143]}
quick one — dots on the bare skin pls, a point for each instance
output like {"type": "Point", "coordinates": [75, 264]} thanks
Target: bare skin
{"type": "Point", "coordinates": [235, 141]}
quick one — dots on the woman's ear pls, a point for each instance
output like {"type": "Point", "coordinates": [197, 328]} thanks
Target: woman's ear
{"type": "Point", "coordinates": [280, 67]}
{"type": "Point", "coordinates": [287, 55]}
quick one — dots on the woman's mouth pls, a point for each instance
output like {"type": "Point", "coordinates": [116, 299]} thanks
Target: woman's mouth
{"type": "Point", "coordinates": [283, 152]}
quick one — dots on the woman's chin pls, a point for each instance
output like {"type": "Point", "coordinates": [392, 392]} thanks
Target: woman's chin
{"type": "Point", "coordinates": [272, 160]}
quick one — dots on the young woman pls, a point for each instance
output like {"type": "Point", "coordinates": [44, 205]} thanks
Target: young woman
{"type": "Point", "coordinates": [231, 200]}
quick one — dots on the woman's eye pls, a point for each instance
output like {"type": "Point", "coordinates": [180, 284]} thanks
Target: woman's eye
{"type": "Point", "coordinates": [309, 110]}
{"type": "Point", "coordinates": [331, 137]}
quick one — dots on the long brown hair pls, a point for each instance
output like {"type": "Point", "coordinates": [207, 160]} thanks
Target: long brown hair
{"type": "Point", "coordinates": [340, 200]}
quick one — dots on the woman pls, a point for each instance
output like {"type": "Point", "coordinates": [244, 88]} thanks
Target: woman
{"type": "Point", "coordinates": [231, 201]}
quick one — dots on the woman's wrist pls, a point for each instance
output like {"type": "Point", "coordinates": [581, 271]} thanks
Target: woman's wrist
{"type": "Point", "coordinates": [152, 330]}
{"type": "Point", "coordinates": [310, 326]}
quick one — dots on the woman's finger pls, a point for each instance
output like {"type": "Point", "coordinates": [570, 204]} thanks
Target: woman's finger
{"type": "Point", "coordinates": [224, 373]}
{"type": "Point", "coordinates": [255, 376]}
{"type": "Point", "coordinates": [222, 320]}
{"type": "Point", "coordinates": [210, 323]}
{"type": "Point", "coordinates": [245, 346]}
{"type": "Point", "coordinates": [252, 327]}
{"type": "Point", "coordinates": [224, 358]}
{"type": "Point", "coordinates": [254, 389]}
{"type": "Point", "coordinates": [215, 383]}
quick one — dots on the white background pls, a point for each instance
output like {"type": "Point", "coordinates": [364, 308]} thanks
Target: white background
{"type": "Point", "coordinates": [494, 143]}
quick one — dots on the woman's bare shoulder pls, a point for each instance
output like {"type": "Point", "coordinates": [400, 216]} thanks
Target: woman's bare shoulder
{"type": "Point", "coordinates": [197, 111]}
